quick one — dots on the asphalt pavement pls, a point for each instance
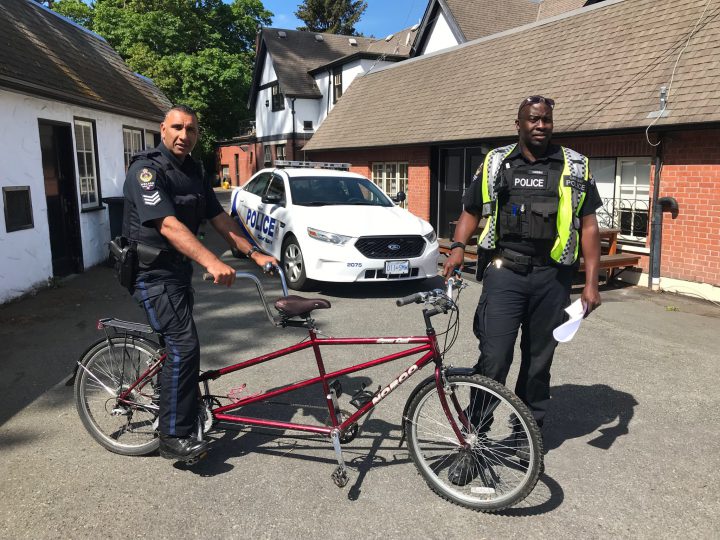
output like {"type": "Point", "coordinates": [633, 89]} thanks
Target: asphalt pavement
{"type": "Point", "coordinates": [632, 432]}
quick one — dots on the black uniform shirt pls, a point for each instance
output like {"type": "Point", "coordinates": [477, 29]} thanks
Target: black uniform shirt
{"type": "Point", "coordinates": [151, 194]}
{"type": "Point", "coordinates": [552, 164]}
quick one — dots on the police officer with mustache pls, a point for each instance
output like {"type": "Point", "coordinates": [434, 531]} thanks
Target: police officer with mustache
{"type": "Point", "coordinates": [539, 202]}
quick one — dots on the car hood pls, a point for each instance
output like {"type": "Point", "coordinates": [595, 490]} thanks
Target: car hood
{"type": "Point", "coordinates": [361, 220]}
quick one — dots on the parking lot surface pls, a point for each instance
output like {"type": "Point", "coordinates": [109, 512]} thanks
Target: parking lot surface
{"type": "Point", "coordinates": [632, 433]}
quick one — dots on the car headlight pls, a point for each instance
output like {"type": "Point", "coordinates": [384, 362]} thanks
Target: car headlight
{"type": "Point", "coordinates": [430, 237]}
{"type": "Point", "coordinates": [333, 238]}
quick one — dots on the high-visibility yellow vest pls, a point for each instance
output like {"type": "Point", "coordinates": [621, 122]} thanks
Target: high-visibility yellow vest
{"type": "Point", "coordinates": [572, 187]}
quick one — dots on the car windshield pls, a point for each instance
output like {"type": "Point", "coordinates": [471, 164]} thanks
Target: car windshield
{"type": "Point", "coordinates": [329, 190]}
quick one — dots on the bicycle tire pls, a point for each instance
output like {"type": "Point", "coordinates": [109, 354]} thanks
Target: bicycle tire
{"type": "Point", "coordinates": [116, 363]}
{"type": "Point", "coordinates": [499, 478]}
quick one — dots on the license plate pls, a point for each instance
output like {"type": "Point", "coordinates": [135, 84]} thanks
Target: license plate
{"type": "Point", "coordinates": [397, 267]}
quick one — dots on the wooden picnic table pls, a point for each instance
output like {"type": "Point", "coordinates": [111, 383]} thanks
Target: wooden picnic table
{"type": "Point", "coordinates": [610, 258]}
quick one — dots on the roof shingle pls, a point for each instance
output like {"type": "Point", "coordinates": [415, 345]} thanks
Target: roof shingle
{"type": "Point", "coordinates": [44, 54]}
{"type": "Point", "coordinates": [604, 65]}
{"type": "Point", "coordinates": [299, 52]}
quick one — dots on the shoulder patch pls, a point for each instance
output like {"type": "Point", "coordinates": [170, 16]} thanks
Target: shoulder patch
{"type": "Point", "coordinates": [146, 177]}
{"type": "Point", "coordinates": [575, 183]}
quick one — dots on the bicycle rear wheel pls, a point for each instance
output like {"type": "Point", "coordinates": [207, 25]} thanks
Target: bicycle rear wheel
{"type": "Point", "coordinates": [487, 475]}
{"type": "Point", "coordinates": [108, 368]}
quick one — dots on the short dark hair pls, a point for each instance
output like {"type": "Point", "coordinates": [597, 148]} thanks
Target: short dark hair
{"type": "Point", "coordinates": [182, 108]}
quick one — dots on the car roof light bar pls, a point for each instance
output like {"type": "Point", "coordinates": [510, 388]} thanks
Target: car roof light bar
{"type": "Point", "coordinates": [282, 163]}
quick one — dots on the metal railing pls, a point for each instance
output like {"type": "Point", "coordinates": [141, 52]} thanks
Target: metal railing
{"type": "Point", "coordinates": [631, 216]}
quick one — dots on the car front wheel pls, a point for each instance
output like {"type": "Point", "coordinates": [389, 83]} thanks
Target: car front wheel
{"type": "Point", "coordinates": [293, 264]}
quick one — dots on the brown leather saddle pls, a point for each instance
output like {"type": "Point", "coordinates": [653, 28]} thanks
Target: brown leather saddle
{"type": "Point", "coordinates": [297, 306]}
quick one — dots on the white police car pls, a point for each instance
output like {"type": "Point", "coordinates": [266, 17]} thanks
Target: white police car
{"type": "Point", "coordinates": [332, 225]}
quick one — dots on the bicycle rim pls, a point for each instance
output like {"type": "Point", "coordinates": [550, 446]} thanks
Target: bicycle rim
{"type": "Point", "coordinates": [106, 370]}
{"type": "Point", "coordinates": [501, 428]}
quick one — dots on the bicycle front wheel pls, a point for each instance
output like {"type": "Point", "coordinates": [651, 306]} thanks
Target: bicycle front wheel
{"type": "Point", "coordinates": [500, 459]}
{"type": "Point", "coordinates": [107, 369]}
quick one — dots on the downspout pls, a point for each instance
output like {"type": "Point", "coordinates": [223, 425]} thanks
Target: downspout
{"type": "Point", "coordinates": [660, 204]}
{"type": "Point", "coordinates": [656, 228]}
{"type": "Point", "coordinates": [292, 107]}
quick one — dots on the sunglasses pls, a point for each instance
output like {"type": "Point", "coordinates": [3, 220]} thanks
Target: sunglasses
{"type": "Point", "coordinates": [532, 100]}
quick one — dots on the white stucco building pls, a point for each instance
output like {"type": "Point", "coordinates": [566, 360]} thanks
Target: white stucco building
{"type": "Point", "coordinates": [72, 115]}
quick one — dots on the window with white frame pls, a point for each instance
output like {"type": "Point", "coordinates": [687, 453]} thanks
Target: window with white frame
{"type": "Point", "coordinates": [266, 154]}
{"type": "Point", "coordinates": [337, 84]}
{"type": "Point", "coordinates": [87, 163]}
{"type": "Point", "coordinates": [280, 151]}
{"type": "Point", "coordinates": [391, 177]}
{"type": "Point", "coordinates": [632, 189]}
{"type": "Point", "coordinates": [132, 143]}
{"type": "Point", "coordinates": [624, 188]}
{"type": "Point", "coordinates": [278, 99]}
{"type": "Point", "coordinates": [150, 139]}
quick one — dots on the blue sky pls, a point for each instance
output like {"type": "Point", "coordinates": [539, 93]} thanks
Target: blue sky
{"type": "Point", "coordinates": [381, 18]}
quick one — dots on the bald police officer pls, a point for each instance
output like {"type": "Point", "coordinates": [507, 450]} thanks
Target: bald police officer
{"type": "Point", "coordinates": [166, 199]}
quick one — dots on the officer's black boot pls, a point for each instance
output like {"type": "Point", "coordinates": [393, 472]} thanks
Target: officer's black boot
{"type": "Point", "coordinates": [181, 448]}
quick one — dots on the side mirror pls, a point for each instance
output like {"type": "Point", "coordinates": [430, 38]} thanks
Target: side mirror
{"type": "Point", "coordinates": [272, 198]}
{"type": "Point", "coordinates": [400, 197]}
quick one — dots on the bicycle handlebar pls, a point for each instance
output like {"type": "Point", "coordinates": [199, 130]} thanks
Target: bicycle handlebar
{"type": "Point", "coordinates": [252, 277]}
{"type": "Point", "coordinates": [405, 300]}
{"type": "Point", "coordinates": [437, 297]}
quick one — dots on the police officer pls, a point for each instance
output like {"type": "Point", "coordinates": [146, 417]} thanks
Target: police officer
{"type": "Point", "coordinates": [539, 202]}
{"type": "Point", "coordinates": [166, 198]}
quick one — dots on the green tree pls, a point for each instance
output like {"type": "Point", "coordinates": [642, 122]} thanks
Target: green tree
{"type": "Point", "coordinates": [76, 10]}
{"type": "Point", "coordinates": [333, 16]}
{"type": "Point", "coordinates": [198, 52]}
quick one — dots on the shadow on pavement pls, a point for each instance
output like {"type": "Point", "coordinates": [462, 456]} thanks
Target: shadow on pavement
{"type": "Point", "coordinates": [360, 454]}
{"type": "Point", "coordinates": [577, 410]}
{"type": "Point", "coordinates": [546, 497]}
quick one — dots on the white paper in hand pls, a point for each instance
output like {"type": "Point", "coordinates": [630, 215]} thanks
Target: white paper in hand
{"type": "Point", "coordinates": [566, 331]}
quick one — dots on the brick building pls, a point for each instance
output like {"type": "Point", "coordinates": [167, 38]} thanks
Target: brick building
{"type": "Point", "coordinates": [614, 72]}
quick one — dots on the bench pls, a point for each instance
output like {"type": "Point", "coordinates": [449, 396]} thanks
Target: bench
{"type": "Point", "coordinates": [610, 259]}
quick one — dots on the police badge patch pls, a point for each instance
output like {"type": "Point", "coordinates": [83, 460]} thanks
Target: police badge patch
{"type": "Point", "coordinates": [146, 177]}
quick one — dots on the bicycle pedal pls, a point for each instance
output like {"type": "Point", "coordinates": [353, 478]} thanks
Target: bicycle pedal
{"type": "Point", "coordinates": [340, 476]}
{"type": "Point", "coordinates": [361, 398]}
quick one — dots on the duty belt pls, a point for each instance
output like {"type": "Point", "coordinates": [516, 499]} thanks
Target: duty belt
{"type": "Point", "coordinates": [151, 258]}
{"type": "Point", "coordinates": [523, 263]}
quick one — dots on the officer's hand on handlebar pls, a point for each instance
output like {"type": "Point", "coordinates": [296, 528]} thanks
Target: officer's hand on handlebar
{"type": "Point", "coordinates": [222, 273]}
{"type": "Point", "coordinates": [263, 261]}
{"type": "Point", "coordinates": [454, 262]}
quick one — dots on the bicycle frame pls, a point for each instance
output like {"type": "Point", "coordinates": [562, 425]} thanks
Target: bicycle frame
{"type": "Point", "coordinates": [426, 344]}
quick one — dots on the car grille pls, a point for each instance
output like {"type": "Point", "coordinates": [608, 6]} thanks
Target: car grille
{"type": "Point", "coordinates": [378, 247]}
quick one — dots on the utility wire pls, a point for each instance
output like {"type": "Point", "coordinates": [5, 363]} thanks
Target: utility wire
{"type": "Point", "coordinates": [672, 77]}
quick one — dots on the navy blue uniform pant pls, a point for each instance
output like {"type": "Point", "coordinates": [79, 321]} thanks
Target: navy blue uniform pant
{"type": "Point", "coordinates": [168, 304]}
{"type": "Point", "coordinates": [535, 303]}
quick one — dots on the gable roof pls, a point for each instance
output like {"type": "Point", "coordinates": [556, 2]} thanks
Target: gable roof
{"type": "Point", "coordinates": [44, 54]}
{"type": "Point", "coordinates": [473, 19]}
{"type": "Point", "coordinates": [299, 54]}
{"type": "Point", "coordinates": [604, 65]}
